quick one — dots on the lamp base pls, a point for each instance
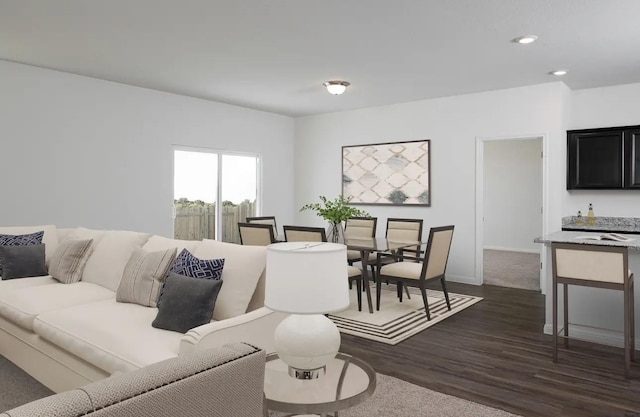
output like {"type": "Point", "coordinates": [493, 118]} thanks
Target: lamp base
{"type": "Point", "coordinates": [307, 373]}
{"type": "Point", "coordinates": [307, 343]}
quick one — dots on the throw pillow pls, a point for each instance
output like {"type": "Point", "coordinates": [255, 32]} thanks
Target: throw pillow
{"type": "Point", "coordinates": [20, 240]}
{"type": "Point", "coordinates": [143, 276]}
{"type": "Point", "coordinates": [186, 303]}
{"type": "Point", "coordinates": [68, 261]}
{"type": "Point", "coordinates": [188, 265]}
{"type": "Point", "coordinates": [23, 261]}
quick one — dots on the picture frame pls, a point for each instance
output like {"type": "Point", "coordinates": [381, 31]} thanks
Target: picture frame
{"type": "Point", "coordinates": [392, 173]}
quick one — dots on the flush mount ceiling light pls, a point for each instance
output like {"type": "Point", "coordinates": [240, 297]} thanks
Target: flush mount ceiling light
{"type": "Point", "coordinates": [526, 39]}
{"type": "Point", "coordinates": [336, 87]}
{"type": "Point", "coordinates": [558, 72]}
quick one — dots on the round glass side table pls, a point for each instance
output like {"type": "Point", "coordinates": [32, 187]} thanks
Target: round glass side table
{"type": "Point", "coordinates": [348, 381]}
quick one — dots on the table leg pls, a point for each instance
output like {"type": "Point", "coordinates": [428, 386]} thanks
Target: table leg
{"type": "Point", "coordinates": [364, 256]}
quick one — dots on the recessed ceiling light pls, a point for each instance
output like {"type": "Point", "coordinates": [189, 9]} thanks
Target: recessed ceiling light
{"type": "Point", "coordinates": [558, 72]}
{"type": "Point", "coordinates": [525, 39]}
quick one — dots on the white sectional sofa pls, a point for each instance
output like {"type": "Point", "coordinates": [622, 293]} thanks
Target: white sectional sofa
{"type": "Point", "coordinates": [67, 335]}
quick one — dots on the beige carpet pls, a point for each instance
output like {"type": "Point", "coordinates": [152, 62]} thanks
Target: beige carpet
{"type": "Point", "coordinates": [512, 269]}
{"type": "Point", "coordinates": [396, 398]}
{"type": "Point", "coordinates": [397, 321]}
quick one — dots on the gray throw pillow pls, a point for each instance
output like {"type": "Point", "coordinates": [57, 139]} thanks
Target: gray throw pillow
{"type": "Point", "coordinates": [23, 261]}
{"type": "Point", "coordinates": [143, 276]}
{"type": "Point", "coordinates": [68, 262]}
{"type": "Point", "coordinates": [186, 303]}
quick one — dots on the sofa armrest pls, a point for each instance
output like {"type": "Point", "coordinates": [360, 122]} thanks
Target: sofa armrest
{"type": "Point", "coordinates": [256, 328]}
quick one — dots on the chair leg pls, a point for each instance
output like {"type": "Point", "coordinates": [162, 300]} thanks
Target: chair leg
{"type": "Point", "coordinates": [423, 291]}
{"type": "Point", "coordinates": [633, 321]}
{"type": "Point", "coordinates": [554, 291]}
{"type": "Point", "coordinates": [406, 291]}
{"type": "Point", "coordinates": [566, 316]}
{"type": "Point", "coordinates": [399, 289]}
{"type": "Point", "coordinates": [359, 293]}
{"type": "Point", "coordinates": [446, 293]}
{"type": "Point", "coordinates": [627, 329]}
{"type": "Point", "coordinates": [378, 285]}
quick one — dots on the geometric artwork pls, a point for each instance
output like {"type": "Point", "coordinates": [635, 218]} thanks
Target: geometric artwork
{"type": "Point", "coordinates": [387, 173]}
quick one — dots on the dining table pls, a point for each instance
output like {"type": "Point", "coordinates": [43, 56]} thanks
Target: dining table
{"type": "Point", "coordinates": [369, 245]}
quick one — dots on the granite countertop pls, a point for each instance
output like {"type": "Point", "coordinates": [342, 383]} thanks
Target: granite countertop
{"type": "Point", "coordinates": [572, 237]}
{"type": "Point", "coordinates": [604, 224]}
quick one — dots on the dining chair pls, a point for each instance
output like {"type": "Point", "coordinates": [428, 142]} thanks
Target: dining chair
{"type": "Point", "coordinates": [360, 227]}
{"type": "Point", "coordinates": [405, 230]}
{"type": "Point", "coordinates": [256, 234]}
{"type": "Point", "coordinates": [318, 234]}
{"type": "Point", "coordinates": [304, 234]}
{"type": "Point", "coordinates": [415, 271]}
{"type": "Point", "coordinates": [593, 266]}
{"type": "Point", "coordinates": [270, 220]}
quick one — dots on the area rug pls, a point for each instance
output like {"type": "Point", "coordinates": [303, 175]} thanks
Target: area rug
{"type": "Point", "coordinates": [396, 321]}
{"type": "Point", "coordinates": [397, 398]}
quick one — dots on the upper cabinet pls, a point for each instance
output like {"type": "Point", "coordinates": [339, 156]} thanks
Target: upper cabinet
{"type": "Point", "coordinates": [606, 158]}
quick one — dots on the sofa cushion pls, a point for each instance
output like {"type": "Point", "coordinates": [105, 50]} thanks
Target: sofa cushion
{"type": "Point", "coordinates": [143, 276]}
{"type": "Point", "coordinates": [23, 261]}
{"type": "Point", "coordinates": [68, 263]}
{"type": "Point", "coordinates": [13, 284]}
{"type": "Point", "coordinates": [50, 237]}
{"type": "Point", "coordinates": [161, 243]}
{"type": "Point", "coordinates": [243, 267]}
{"type": "Point", "coordinates": [22, 305]}
{"type": "Point", "coordinates": [186, 303]}
{"type": "Point", "coordinates": [110, 255]}
{"type": "Point", "coordinates": [124, 340]}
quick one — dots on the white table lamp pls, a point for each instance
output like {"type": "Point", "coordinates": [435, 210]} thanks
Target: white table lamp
{"type": "Point", "coordinates": [307, 279]}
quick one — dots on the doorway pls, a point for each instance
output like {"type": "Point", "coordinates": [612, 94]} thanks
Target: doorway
{"type": "Point", "coordinates": [512, 215]}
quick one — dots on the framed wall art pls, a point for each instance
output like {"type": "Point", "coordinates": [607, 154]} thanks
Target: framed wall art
{"type": "Point", "coordinates": [396, 173]}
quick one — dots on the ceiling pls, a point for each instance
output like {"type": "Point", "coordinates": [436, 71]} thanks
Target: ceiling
{"type": "Point", "coordinates": [273, 55]}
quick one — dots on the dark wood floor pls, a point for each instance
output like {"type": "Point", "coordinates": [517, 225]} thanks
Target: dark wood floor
{"type": "Point", "coordinates": [495, 353]}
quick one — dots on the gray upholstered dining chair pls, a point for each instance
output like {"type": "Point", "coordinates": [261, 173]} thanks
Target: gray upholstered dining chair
{"type": "Point", "coordinates": [256, 234]}
{"type": "Point", "coordinates": [270, 220]}
{"type": "Point", "coordinates": [304, 234]}
{"type": "Point", "coordinates": [410, 273]}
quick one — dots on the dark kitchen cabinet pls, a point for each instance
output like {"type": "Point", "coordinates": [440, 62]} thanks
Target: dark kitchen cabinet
{"type": "Point", "coordinates": [605, 158]}
{"type": "Point", "coordinates": [632, 143]}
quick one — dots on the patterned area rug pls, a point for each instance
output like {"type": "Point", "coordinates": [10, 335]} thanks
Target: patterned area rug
{"type": "Point", "coordinates": [396, 321]}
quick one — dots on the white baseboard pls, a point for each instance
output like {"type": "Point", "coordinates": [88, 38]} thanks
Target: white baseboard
{"type": "Point", "coordinates": [512, 249]}
{"type": "Point", "coordinates": [463, 279]}
{"type": "Point", "coordinates": [593, 334]}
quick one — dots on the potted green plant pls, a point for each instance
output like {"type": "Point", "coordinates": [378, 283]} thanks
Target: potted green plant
{"type": "Point", "coordinates": [335, 212]}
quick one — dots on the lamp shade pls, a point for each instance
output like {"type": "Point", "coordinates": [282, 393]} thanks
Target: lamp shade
{"type": "Point", "coordinates": [307, 277]}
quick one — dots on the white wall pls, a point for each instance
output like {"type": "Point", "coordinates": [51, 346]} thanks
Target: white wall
{"type": "Point", "coordinates": [604, 107]}
{"type": "Point", "coordinates": [452, 124]}
{"type": "Point", "coordinates": [512, 194]}
{"type": "Point", "coordinates": [81, 151]}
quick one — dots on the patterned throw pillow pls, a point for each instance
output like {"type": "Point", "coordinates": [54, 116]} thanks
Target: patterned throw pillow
{"type": "Point", "coordinates": [189, 266]}
{"type": "Point", "coordinates": [20, 240]}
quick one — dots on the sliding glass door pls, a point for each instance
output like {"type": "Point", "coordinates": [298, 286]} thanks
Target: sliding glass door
{"type": "Point", "coordinates": [213, 191]}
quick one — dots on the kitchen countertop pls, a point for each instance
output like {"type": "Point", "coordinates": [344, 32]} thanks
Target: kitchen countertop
{"type": "Point", "coordinates": [571, 237]}
{"type": "Point", "coordinates": [604, 224]}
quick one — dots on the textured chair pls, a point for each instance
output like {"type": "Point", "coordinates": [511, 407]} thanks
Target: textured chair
{"type": "Point", "coordinates": [593, 266]}
{"type": "Point", "coordinates": [256, 234]}
{"type": "Point", "coordinates": [414, 271]}
{"type": "Point", "coordinates": [405, 230]}
{"type": "Point", "coordinates": [270, 220]}
{"type": "Point", "coordinates": [304, 234]}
